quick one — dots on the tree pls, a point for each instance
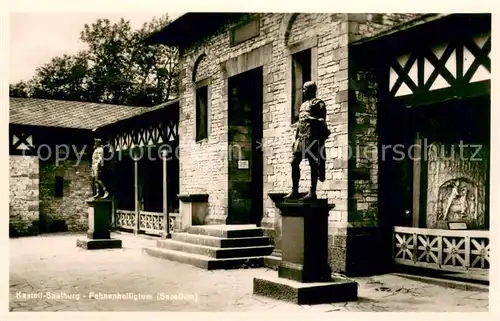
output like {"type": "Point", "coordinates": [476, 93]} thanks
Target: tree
{"type": "Point", "coordinates": [118, 68]}
{"type": "Point", "coordinates": [19, 89]}
{"type": "Point", "coordinates": [62, 78]}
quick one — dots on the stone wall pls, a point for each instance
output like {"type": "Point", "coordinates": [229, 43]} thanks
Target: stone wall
{"type": "Point", "coordinates": [362, 25]}
{"type": "Point", "coordinates": [363, 105]}
{"type": "Point", "coordinates": [356, 240]}
{"type": "Point", "coordinates": [23, 191]}
{"type": "Point", "coordinates": [355, 245]}
{"type": "Point", "coordinates": [69, 212]}
{"type": "Point", "coordinates": [204, 167]}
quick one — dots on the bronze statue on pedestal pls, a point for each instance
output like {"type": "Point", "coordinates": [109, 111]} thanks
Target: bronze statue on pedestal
{"type": "Point", "coordinates": [310, 136]}
{"type": "Point", "coordinates": [97, 169]}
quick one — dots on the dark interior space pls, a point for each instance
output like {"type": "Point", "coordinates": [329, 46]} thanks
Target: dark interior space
{"type": "Point", "coordinates": [124, 183]}
{"type": "Point", "coordinates": [152, 193]}
{"type": "Point", "coordinates": [455, 121]}
{"type": "Point", "coordinates": [245, 134]}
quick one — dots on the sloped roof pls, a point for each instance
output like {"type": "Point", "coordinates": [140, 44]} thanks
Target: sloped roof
{"type": "Point", "coordinates": [68, 114]}
{"type": "Point", "coordinates": [412, 23]}
{"type": "Point", "coordinates": [153, 108]}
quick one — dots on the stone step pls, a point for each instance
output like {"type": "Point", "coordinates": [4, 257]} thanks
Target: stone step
{"type": "Point", "coordinates": [272, 261]}
{"type": "Point", "coordinates": [454, 284]}
{"type": "Point", "coordinates": [220, 242]}
{"type": "Point", "coordinates": [214, 252]}
{"type": "Point", "coordinates": [205, 262]}
{"type": "Point", "coordinates": [227, 231]}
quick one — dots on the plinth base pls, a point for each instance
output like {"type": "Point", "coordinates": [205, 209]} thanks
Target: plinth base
{"type": "Point", "coordinates": [99, 244]}
{"type": "Point", "coordinates": [339, 290]}
{"type": "Point", "coordinates": [452, 225]}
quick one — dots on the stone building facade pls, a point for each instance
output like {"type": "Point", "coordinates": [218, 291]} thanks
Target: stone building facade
{"type": "Point", "coordinates": [37, 204]}
{"type": "Point", "coordinates": [48, 196]}
{"type": "Point", "coordinates": [24, 211]}
{"type": "Point", "coordinates": [67, 210]}
{"type": "Point", "coordinates": [49, 162]}
{"type": "Point", "coordinates": [387, 80]}
{"type": "Point", "coordinates": [416, 93]}
{"type": "Point", "coordinates": [327, 35]}
{"type": "Point", "coordinates": [276, 43]}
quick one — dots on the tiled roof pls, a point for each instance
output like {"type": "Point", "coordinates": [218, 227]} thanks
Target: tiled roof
{"type": "Point", "coordinates": [68, 114]}
{"type": "Point", "coordinates": [153, 108]}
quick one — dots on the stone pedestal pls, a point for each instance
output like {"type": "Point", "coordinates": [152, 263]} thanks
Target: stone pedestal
{"type": "Point", "coordinates": [304, 275]}
{"type": "Point", "coordinates": [443, 225]}
{"type": "Point", "coordinates": [277, 197]}
{"type": "Point", "coordinates": [452, 225]}
{"type": "Point", "coordinates": [98, 234]}
{"type": "Point", "coordinates": [193, 209]}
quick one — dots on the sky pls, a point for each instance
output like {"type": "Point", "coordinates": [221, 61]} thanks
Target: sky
{"type": "Point", "coordinates": [37, 37]}
{"type": "Point", "coordinates": [54, 29]}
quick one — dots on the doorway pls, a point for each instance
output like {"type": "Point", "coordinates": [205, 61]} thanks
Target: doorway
{"type": "Point", "coordinates": [245, 179]}
{"type": "Point", "coordinates": [439, 146]}
{"type": "Point", "coordinates": [455, 136]}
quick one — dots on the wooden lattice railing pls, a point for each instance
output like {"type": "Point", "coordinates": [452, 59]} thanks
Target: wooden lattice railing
{"type": "Point", "coordinates": [125, 219]}
{"type": "Point", "coordinates": [449, 250]}
{"type": "Point", "coordinates": [149, 222]}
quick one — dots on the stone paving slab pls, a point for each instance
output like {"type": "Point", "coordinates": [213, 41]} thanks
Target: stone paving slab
{"type": "Point", "coordinates": [61, 277]}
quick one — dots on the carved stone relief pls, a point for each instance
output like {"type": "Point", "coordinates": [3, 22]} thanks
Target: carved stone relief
{"type": "Point", "coordinates": [456, 184]}
{"type": "Point", "coordinates": [457, 200]}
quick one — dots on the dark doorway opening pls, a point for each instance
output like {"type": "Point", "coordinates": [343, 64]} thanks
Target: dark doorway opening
{"type": "Point", "coordinates": [173, 178]}
{"type": "Point", "coordinates": [403, 198]}
{"type": "Point", "coordinates": [151, 172]}
{"type": "Point", "coordinates": [245, 203]}
{"type": "Point", "coordinates": [123, 183]}
{"type": "Point", "coordinates": [152, 186]}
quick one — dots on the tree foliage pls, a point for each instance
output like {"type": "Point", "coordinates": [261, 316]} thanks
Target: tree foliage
{"type": "Point", "coordinates": [118, 67]}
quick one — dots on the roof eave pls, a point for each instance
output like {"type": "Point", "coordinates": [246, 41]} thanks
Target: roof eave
{"type": "Point", "coordinates": [416, 26]}
{"type": "Point", "coordinates": [190, 27]}
{"type": "Point", "coordinates": [45, 127]}
{"type": "Point", "coordinates": [413, 23]}
{"type": "Point", "coordinates": [158, 37]}
{"type": "Point", "coordinates": [157, 108]}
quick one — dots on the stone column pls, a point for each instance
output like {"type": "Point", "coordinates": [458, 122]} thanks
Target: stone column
{"type": "Point", "coordinates": [166, 217]}
{"type": "Point", "coordinates": [358, 247]}
{"type": "Point", "coordinates": [137, 191]}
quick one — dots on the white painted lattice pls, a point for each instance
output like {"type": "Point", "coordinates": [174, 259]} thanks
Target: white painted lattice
{"type": "Point", "coordinates": [441, 66]}
{"type": "Point", "coordinates": [442, 249]}
{"type": "Point", "coordinates": [151, 135]}
{"type": "Point", "coordinates": [149, 222]}
{"type": "Point", "coordinates": [125, 219]}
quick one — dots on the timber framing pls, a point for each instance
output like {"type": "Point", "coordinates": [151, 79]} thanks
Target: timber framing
{"type": "Point", "coordinates": [152, 128]}
{"type": "Point", "coordinates": [431, 62]}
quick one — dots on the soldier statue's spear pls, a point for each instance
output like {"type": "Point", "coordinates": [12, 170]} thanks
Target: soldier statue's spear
{"type": "Point", "coordinates": [310, 137]}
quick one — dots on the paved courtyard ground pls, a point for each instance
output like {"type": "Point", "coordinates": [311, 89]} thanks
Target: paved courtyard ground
{"type": "Point", "coordinates": [72, 279]}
